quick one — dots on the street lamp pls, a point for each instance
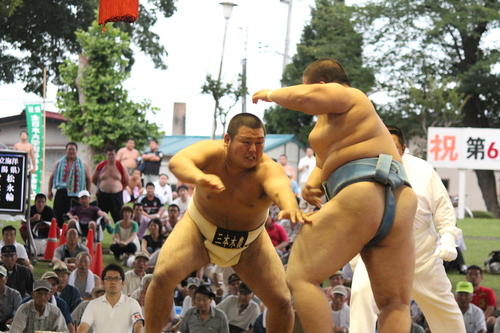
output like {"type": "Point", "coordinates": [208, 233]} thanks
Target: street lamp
{"type": "Point", "coordinates": [287, 38]}
{"type": "Point", "coordinates": [228, 9]}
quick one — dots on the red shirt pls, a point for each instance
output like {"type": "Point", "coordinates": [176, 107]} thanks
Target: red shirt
{"type": "Point", "coordinates": [277, 233]}
{"type": "Point", "coordinates": [484, 297]}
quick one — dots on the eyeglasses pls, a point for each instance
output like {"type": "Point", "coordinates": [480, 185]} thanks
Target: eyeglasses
{"type": "Point", "coordinates": [116, 278]}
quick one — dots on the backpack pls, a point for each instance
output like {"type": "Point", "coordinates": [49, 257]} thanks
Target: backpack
{"type": "Point", "coordinates": [492, 262]}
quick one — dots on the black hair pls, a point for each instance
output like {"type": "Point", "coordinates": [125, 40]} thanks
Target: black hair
{"type": "Point", "coordinates": [244, 119]}
{"type": "Point", "coordinates": [126, 209]}
{"type": "Point", "coordinates": [72, 143]}
{"type": "Point", "coordinates": [150, 184]}
{"type": "Point", "coordinates": [394, 130]}
{"type": "Point", "coordinates": [182, 187]}
{"type": "Point", "coordinates": [40, 196]}
{"type": "Point", "coordinates": [7, 228]}
{"type": "Point", "coordinates": [115, 268]}
{"type": "Point", "coordinates": [326, 70]}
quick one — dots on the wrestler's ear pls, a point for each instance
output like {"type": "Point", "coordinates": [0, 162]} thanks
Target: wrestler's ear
{"type": "Point", "coordinates": [227, 139]}
{"type": "Point", "coordinates": [321, 82]}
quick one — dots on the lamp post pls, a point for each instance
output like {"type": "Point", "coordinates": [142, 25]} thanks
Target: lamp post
{"type": "Point", "coordinates": [287, 38]}
{"type": "Point", "coordinates": [227, 8]}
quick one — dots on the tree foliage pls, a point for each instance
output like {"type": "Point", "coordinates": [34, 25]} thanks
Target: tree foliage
{"type": "Point", "coordinates": [218, 90]}
{"type": "Point", "coordinates": [415, 40]}
{"type": "Point", "coordinates": [35, 34]}
{"type": "Point", "coordinates": [330, 34]}
{"type": "Point", "coordinates": [92, 96]}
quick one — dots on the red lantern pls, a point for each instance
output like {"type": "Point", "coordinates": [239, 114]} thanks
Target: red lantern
{"type": "Point", "coordinates": [118, 11]}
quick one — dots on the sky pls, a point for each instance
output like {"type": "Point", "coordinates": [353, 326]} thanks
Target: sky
{"type": "Point", "coordinates": [193, 38]}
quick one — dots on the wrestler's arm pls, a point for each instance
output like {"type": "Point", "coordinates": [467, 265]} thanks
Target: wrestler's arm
{"type": "Point", "coordinates": [278, 188]}
{"type": "Point", "coordinates": [187, 164]}
{"type": "Point", "coordinates": [312, 99]}
{"type": "Point", "coordinates": [119, 154]}
{"type": "Point", "coordinates": [95, 176]}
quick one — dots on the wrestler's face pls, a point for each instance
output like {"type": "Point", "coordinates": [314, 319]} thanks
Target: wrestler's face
{"type": "Point", "coordinates": [24, 136]}
{"type": "Point", "coordinates": [71, 151]}
{"type": "Point", "coordinates": [399, 147]}
{"type": "Point", "coordinates": [130, 144]}
{"type": "Point", "coordinates": [245, 150]}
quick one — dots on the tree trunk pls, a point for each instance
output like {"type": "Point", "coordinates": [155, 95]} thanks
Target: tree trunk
{"type": "Point", "coordinates": [487, 183]}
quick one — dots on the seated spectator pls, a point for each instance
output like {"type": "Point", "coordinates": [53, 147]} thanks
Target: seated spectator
{"type": "Point", "coordinates": [141, 220]}
{"type": "Point", "coordinates": [278, 235]}
{"type": "Point", "coordinates": [82, 277]}
{"type": "Point", "coordinates": [125, 236]}
{"type": "Point", "coordinates": [38, 314]}
{"type": "Point", "coordinates": [85, 215]}
{"type": "Point", "coordinates": [183, 200]}
{"type": "Point", "coordinates": [484, 297]}
{"type": "Point", "coordinates": [337, 279]}
{"type": "Point", "coordinates": [133, 277]}
{"type": "Point", "coordinates": [151, 203]}
{"type": "Point", "coordinates": [126, 312]}
{"type": "Point", "coordinates": [77, 314]}
{"type": "Point", "coordinates": [340, 309]}
{"type": "Point", "coordinates": [19, 277]}
{"type": "Point", "coordinates": [163, 189]}
{"type": "Point", "coordinates": [173, 217]}
{"type": "Point", "coordinates": [204, 316]}
{"type": "Point", "coordinates": [240, 310]}
{"type": "Point", "coordinates": [233, 283]}
{"type": "Point", "coordinates": [473, 315]}
{"type": "Point", "coordinates": [155, 239]}
{"type": "Point", "coordinates": [67, 252]}
{"type": "Point", "coordinates": [9, 238]}
{"type": "Point", "coordinates": [135, 188]}
{"type": "Point", "coordinates": [9, 301]}
{"type": "Point", "coordinates": [189, 300]}
{"type": "Point", "coordinates": [40, 217]}
{"type": "Point", "coordinates": [140, 294]}
{"type": "Point", "coordinates": [68, 293]}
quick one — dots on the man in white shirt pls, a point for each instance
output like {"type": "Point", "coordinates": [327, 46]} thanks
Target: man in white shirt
{"type": "Point", "coordinates": [340, 309]}
{"type": "Point", "coordinates": [306, 166]}
{"type": "Point", "coordinates": [113, 312]}
{"type": "Point", "coordinates": [240, 310]}
{"type": "Point", "coordinates": [431, 287]}
{"type": "Point", "coordinates": [183, 200]}
{"type": "Point", "coordinates": [163, 189]}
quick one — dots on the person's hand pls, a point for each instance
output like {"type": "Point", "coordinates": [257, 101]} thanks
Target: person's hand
{"type": "Point", "coordinates": [261, 95]}
{"type": "Point", "coordinates": [211, 182]}
{"type": "Point", "coordinates": [447, 248]}
{"type": "Point", "coordinates": [294, 215]}
{"type": "Point", "coordinates": [36, 217]}
{"type": "Point", "coordinates": [106, 219]}
{"type": "Point", "coordinates": [313, 195]}
{"type": "Point", "coordinates": [50, 196]}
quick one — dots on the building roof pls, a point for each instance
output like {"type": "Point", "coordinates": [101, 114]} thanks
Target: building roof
{"type": "Point", "coordinates": [171, 144]}
{"type": "Point", "coordinates": [55, 117]}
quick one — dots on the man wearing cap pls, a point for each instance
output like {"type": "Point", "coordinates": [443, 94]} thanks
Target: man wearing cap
{"type": "Point", "coordinates": [125, 311]}
{"type": "Point", "coordinates": [85, 214]}
{"type": "Point", "coordinates": [67, 292]}
{"type": "Point", "coordinates": [69, 176]}
{"type": "Point", "coordinates": [189, 300]}
{"type": "Point", "coordinates": [10, 300]}
{"type": "Point", "coordinates": [133, 277]}
{"type": "Point", "coordinates": [340, 309]}
{"type": "Point", "coordinates": [19, 277]}
{"type": "Point", "coordinates": [53, 279]}
{"type": "Point", "coordinates": [233, 283]}
{"type": "Point", "coordinates": [241, 310]}
{"type": "Point", "coordinates": [39, 314]}
{"type": "Point", "coordinates": [111, 178]}
{"type": "Point", "coordinates": [337, 279]}
{"type": "Point", "coordinates": [204, 318]}
{"type": "Point", "coordinates": [68, 250]}
{"type": "Point", "coordinates": [473, 315]}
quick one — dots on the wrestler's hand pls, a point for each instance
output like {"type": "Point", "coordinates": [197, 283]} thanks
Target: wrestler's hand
{"type": "Point", "coordinates": [313, 195]}
{"type": "Point", "coordinates": [211, 182]}
{"type": "Point", "coordinates": [294, 215]}
{"type": "Point", "coordinates": [260, 95]}
{"type": "Point", "coordinates": [447, 248]}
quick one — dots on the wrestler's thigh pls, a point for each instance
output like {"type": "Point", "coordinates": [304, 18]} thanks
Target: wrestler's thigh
{"type": "Point", "coordinates": [183, 251]}
{"type": "Point", "coordinates": [260, 267]}
{"type": "Point", "coordinates": [337, 232]}
{"type": "Point", "coordinates": [391, 262]}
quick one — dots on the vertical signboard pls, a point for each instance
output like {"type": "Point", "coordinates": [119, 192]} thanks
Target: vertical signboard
{"type": "Point", "coordinates": [13, 181]}
{"type": "Point", "coordinates": [34, 119]}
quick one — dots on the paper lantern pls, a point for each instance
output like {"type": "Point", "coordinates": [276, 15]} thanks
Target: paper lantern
{"type": "Point", "coordinates": [118, 11]}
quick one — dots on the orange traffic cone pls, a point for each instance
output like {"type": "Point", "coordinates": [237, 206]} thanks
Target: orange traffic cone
{"type": "Point", "coordinates": [62, 239]}
{"type": "Point", "coordinates": [52, 241]}
{"type": "Point", "coordinates": [90, 242]}
{"type": "Point", "coordinates": [97, 263]}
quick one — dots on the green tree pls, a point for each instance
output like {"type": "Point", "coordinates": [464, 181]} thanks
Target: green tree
{"type": "Point", "coordinates": [446, 40]}
{"type": "Point", "coordinates": [35, 34]}
{"type": "Point", "coordinates": [330, 34]}
{"type": "Point", "coordinates": [219, 90]}
{"type": "Point", "coordinates": [92, 96]}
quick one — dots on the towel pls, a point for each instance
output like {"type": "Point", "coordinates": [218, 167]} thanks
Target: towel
{"type": "Point", "coordinates": [90, 280]}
